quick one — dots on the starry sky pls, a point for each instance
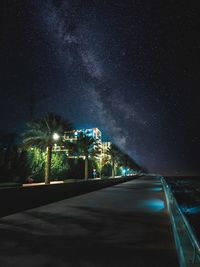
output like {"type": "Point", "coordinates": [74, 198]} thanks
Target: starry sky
{"type": "Point", "coordinates": [130, 68]}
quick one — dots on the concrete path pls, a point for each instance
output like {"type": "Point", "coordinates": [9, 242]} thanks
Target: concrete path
{"type": "Point", "coordinates": [124, 225]}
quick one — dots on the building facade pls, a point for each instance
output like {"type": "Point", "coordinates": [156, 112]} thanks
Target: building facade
{"type": "Point", "coordinates": [73, 135]}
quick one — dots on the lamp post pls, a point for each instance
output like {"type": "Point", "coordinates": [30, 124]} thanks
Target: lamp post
{"type": "Point", "coordinates": [55, 137]}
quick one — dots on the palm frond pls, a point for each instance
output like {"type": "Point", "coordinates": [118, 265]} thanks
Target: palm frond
{"type": "Point", "coordinates": [40, 131]}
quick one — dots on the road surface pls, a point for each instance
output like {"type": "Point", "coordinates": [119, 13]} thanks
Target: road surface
{"type": "Point", "coordinates": [123, 225]}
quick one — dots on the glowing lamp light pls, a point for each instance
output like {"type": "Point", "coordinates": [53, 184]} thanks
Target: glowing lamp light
{"type": "Point", "coordinates": [56, 136]}
{"type": "Point", "coordinates": [124, 171]}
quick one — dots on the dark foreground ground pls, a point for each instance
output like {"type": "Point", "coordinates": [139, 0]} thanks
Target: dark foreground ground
{"type": "Point", "coordinates": [122, 225]}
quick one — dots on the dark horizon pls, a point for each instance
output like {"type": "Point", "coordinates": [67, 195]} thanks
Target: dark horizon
{"type": "Point", "coordinates": [129, 68]}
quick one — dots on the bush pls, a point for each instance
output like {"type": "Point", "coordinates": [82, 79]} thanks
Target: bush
{"type": "Point", "coordinates": [13, 165]}
{"type": "Point", "coordinates": [106, 170]}
{"type": "Point", "coordinates": [59, 166]}
{"type": "Point", "coordinates": [36, 164]}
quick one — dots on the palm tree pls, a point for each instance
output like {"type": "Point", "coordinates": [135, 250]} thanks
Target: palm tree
{"type": "Point", "coordinates": [114, 153]}
{"type": "Point", "coordinates": [85, 147]}
{"type": "Point", "coordinates": [43, 133]}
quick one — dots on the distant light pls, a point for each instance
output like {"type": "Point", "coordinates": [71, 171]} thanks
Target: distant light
{"type": "Point", "coordinates": [157, 183]}
{"type": "Point", "coordinates": [56, 136]}
{"type": "Point", "coordinates": [155, 189]}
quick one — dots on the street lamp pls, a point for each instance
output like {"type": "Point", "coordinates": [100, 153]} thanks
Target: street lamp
{"type": "Point", "coordinates": [56, 137]}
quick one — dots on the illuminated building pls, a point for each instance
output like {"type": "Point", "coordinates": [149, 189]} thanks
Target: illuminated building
{"type": "Point", "coordinates": [73, 135]}
{"type": "Point", "coordinates": [105, 157]}
{"type": "Point", "coordinates": [105, 147]}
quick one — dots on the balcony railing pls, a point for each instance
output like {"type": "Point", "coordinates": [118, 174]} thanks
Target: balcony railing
{"type": "Point", "coordinates": [187, 244]}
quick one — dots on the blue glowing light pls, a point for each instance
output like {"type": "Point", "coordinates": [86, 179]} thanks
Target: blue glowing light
{"type": "Point", "coordinates": [156, 189]}
{"type": "Point", "coordinates": [192, 210]}
{"type": "Point", "coordinates": [153, 204]}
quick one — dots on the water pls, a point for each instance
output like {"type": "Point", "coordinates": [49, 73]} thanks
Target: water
{"type": "Point", "coordinates": [187, 193]}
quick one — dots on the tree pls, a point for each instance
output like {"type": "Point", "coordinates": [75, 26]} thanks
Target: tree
{"type": "Point", "coordinates": [85, 147]}
{"type": "Point", "coordinates": [105, 164]}
{"type": "Point", "coordinates": [36, 162]}
{"type": "Point", "coordinates": [114, 153]}
{"type": "Point", "coordinates": [128, 163]}
{"type": "Point", "coordinates": [60, 165]}
{"type": "Point", "coordinates": [13, 164]}
{"type": "Point", "coordinates": [43, 133]}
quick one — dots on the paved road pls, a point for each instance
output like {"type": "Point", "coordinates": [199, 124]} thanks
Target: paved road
{"type": "Point", "coordinates": [124, 225]}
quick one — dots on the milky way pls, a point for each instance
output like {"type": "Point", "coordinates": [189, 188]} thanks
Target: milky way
{"type": "Point", "coordinates": [76, 39]}
{"type": "Point", "coordinates": [127, 67]}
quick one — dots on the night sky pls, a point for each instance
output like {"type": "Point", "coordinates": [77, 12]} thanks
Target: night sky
{"type": "Point", "coordinates": [130, 68]}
